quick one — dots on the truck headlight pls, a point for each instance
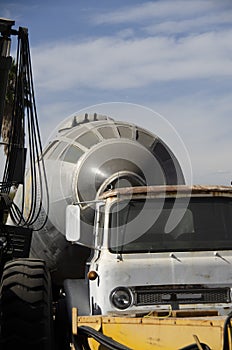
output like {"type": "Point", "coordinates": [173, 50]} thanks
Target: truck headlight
{"type": "Point", "coordinates": [121, 298]}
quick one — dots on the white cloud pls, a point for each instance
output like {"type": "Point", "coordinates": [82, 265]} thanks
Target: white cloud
{"type": "Point", "coordinates": [155, 9]}
{"type": "Point", "coordinates": [204, 125]}
{"type": "Point", "coordinates": [124, 60]}
{"type": "Point", "coordinates": [207, 22]}
{"type": "Point", "coordinates": [114, 63]}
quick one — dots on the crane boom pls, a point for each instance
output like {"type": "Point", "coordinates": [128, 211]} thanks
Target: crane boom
{"type": "Point", "coordinates": [18, 119]}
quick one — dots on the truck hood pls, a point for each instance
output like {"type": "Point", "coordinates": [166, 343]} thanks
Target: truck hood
{"type": "Point", "coordinates": [209, 268]}
{"type": "Point", "coordinates": [190, 270]}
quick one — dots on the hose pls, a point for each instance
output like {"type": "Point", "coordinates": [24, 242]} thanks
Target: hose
{"type": "Point", "coordinates": [24, 116]}
{"type": "Point", "coordinates": [84, 332]}
{"type": "Point", "coordinates": [225, 332]}
{"type": "Point", "coordinates": [195, 347]}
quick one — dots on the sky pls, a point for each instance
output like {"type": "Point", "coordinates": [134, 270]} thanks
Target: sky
{"type": "Point", "coordinates": [130, 58]}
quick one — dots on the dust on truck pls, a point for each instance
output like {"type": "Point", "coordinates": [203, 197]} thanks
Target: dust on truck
{"type": "Point", "coordinates": [148, 283]}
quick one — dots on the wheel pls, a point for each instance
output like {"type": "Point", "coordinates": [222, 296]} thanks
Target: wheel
{"type": "Point", "coordinates": [26, 306]}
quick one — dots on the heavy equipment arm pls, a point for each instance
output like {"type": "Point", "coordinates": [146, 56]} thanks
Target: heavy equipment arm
{"type": "Point", "coordinates": [18, 118]}
{"type": "Point", "coordinates": [25, 290]}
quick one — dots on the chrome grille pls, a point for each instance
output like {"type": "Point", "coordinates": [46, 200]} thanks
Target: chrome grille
{"type": "Point", "coordinates": [181, 296]}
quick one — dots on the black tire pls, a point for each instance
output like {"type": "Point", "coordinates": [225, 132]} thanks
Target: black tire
{"type": "Point", "coordinates": [26, 306]}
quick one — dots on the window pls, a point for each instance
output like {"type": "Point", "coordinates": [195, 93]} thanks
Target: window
{"type": "Point", "coordinates": [205, 225]}
{"type": "Point", "coordinates": [172, 171]}
{"type": "Point", "coordinates": [125, 131]}
{"type": "Point", "coordinates": [49, 147]}
{"type": "Point", "coordinates": [107, 132]}
{"type": "Point", "coordinates": [59, 148]}
{"type": "Point", "coordinates": [100, 228]}
{"type": "Point", "coordinates": [71, 154]}
{"type": "Point", "coordinates": [72, 135]}
{"type": "Point", "coordinates": [88, 139]}
{"type": "Point", "coordinates": [144, 138]}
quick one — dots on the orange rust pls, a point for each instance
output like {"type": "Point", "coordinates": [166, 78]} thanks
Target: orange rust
{"type": "Point", "coordinates": [170, 190]}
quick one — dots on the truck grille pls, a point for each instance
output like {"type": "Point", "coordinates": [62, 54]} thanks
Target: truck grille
{"type": "Point", "coordinates": [181, 296]}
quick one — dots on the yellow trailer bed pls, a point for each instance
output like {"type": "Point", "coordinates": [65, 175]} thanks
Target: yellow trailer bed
{"type": "Point", "coordinates": [159, 331]}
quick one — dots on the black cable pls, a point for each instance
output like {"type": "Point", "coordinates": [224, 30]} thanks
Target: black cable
{"type": "Point", "coordinates": [25, 109]}
{"type": "Point", "coordinates": [195, 347]}
{"type": "Point", "coordinates": [108, 342]}
{"type": "Point", "coordinates": [227, 324]}
{"type": "Point", "coordinates": [10, 132]}
{"type": "Point", "coordinates": [38, 143]}
{"type": "Point", "coordinates": [81, 343]}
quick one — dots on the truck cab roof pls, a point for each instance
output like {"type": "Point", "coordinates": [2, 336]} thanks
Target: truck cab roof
{"type": "Point", "coordinates": [170, 191]}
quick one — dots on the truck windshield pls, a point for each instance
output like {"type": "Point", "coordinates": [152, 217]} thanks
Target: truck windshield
{"type": "Point", "coordinates": [139, 226]}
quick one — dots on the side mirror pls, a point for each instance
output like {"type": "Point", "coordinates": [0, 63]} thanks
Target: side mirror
{"type": "Point", "coordinates": [73, 223]}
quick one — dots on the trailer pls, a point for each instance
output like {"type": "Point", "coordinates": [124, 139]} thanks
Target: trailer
{"type": "Point", "coordinates": [182, 330]}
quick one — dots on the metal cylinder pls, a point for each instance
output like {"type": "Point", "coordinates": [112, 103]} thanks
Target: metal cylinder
{"type": "Point", "coordinates": [92, 154]}
{"type": "Point", "coordinates": [95, 154]}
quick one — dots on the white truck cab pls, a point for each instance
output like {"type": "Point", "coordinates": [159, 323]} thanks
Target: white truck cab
{"type": "Point", "coordinates": [156, 247]}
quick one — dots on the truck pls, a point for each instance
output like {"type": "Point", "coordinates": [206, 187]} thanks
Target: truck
{"type": "Point", "coordinates": [167, 286]}
{"type": "Point", "coordinates": [123, 254]}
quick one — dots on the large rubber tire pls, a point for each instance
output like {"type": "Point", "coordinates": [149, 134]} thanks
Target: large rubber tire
{"type": "Point", "coordinates": [26, 306]}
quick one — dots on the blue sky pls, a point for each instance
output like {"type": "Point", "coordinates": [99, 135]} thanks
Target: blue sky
{"type": "Point", "coordinates": [171, 56]}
